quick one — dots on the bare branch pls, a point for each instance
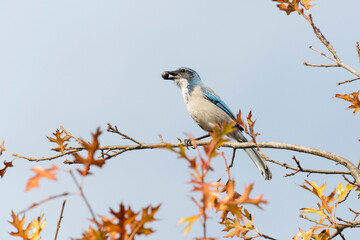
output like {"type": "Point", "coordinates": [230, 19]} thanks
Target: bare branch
{"type": "Point", "coordinates": [322, 38]}
{"type": "Point", "coordinates": [354, 171]}
{"type": "Point", "coordinates": [45, 200]}
{"type": "Point", "coordinates": [60, 218]}
{"type": "Point", "coordinates": [161, 138]}
{"type": "Point", "coordinates": [342, 226]}
{"type": "Point", "coordinates": [296, 170]}
{"type": "Point", "coordinates": [358, 50]}
{"type": "Point", "coordinates": [297, 163]}
{"type": "Point", "coordinates": [347, 81]}
{"type": "Point", "coordinates": [323, 54]}
{"type": "Point", "coordinates": [331, 49]}
{"type": "Point", "coordinates": [338, 232]}
{"type": "Point", "coordinates": [115, 130]}
{"type": "Point", "coordinates": [346, 179]}
{"type": "Point", "coordinates": [70, 134]}
{"type": "Point", "coordinates": [320, 65]}
{"type": "Point", "coordinates": [311, 220]}
{"type": "Point", "coordinates": [356, 213]}
{"type": "Point", "coordinates": [266, 236]}
{"type": "Point", "coordinates": [232, 158]}
{"type": "Point", "coordinates": [226, 165]}
{"type": "Point", "coordinates": [84, 198]}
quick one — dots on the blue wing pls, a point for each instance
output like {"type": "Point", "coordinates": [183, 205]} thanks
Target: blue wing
{"type": "Point", "coordinates": [218, 102]}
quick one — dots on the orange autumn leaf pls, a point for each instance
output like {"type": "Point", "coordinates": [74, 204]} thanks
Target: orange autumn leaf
{"type": "Point", "coordinates": [89, 160]}
{"type": "Point", "coordinates": [2, 147]}
{"type": "Point", "coordinates": [306, 4]}
{"type": "Point", "coordinates": [93, 234]}
{"type": "Point", "coordinates": [125, 223]}
{"type": "Point", "coordinates": [251, 124]}
{"type": "Point", "coordinates": [249, 127]}
{"type": "Point", "coordinates": [41, 173]}
{"type": "Point", "coordinates": [341, 191]}
{"type": "Point", "coordinates": [245, 197]}
{"type": "Point", "coordinates": [306, 235]}
{"type": "Point", "coordinates": [190, 221]}
{"type": "Point", "coordinates": [288, 6]}
{"type": "Point", "coordinates": [218, 138]}
{"type": "Point", "coordinates": [3, 170]}
{"type": "Point", "coordinates": [232, 201]}
{"type": "Point", "coordinates": [37, 225]}
{"type": "Point", "coordinates": [59, 141]}
{"type": "Point", "coordinates": [316, 211]}
{"type": "Point", "coordinates": [235, 228]}
{"type": "Point", "coordinates": [352, 98]}
{"type": "Point", "coordinates": [319, 192]}
{"type": "Point", "coordinates": [18, 223]}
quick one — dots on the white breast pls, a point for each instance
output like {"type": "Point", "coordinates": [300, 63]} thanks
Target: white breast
{"type": "Point", "coordinates": [205, 113]}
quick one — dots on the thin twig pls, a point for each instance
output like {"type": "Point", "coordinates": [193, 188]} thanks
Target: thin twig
{"type": "Point", "coordinates": [323, 54]}
{"type": "Point", "coordinates": [358, 50]}
{"type": "Point", "coordinates": [232, 158]}
{"type": "Point", "coordinates": [45, 200]}
{"type": "Point", "coordinates": [297, 163]}
{"type": "Point", "coordinates": [266, 236]}
{"type": "Point", "coordinates": [322, 38]}
{"type": "Point", "coordinates": [311, 220]}
{"type": "Point", "coordinates": [161, 138]}
{"type": "Point", "coordinates": [115, 130]}
{"type": "Point", "coordinates": [346, 179]}
{"type": "Point", "coordinates": [287, 166]}
{"type": "Point", "coordinates": [67, 152]}
{"type": "Point", "coordinates": [349, 223]}
{"type": "Point", "coordinates": [320, 65]}
{"type": "Point", "coordinates": [347, 81]}
{"type": "Point", "coordinates": [356, 214]}
{"type": "Point", "coordinates": [226, 165]}
{"type": "Point", "coordinates": [84, 198]}
{"type": "Point", "coordinates": [70, 134]}
{"type": "Point", "coordinates": [327, 44]}
{"type": "Point", "coordinates": [60, 218]}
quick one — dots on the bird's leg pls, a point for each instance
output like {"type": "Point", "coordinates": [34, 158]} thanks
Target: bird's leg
{"type": "Point", "coordinates": [188, 141]}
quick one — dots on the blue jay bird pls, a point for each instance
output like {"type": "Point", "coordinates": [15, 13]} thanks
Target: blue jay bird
{"type": "Point", "coordinates": [207, 109]}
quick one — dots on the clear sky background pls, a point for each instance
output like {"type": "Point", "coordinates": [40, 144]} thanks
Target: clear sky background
{"type": "Point", "coordinates": [82, 64]}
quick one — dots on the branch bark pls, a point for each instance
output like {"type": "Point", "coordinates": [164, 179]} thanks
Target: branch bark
{"type": "Point", "coordinates": [119, 149]}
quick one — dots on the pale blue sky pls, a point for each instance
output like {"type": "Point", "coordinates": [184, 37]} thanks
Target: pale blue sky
{"type": "Point", "coordinates": [82, 64]}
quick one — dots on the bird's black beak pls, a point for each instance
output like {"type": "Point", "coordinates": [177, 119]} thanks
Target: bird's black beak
{"type": "Point", "coordinates": [168, 75]}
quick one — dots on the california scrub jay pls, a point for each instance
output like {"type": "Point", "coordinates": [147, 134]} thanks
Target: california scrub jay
{"type": "Point", "coordinates": [208, 110]}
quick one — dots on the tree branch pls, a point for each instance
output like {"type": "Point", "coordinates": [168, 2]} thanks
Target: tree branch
{"type": "Point", "coordinates": [60, 218]}
{"type": "Point", "coordinates": [354, 171]}
{"type": "Point", "coordinates": [305, 170]}
{"type": "Point", "coordinates": [320, 65]}
{"type": "Point", "coordinates": [335, 58]}
{"type": "Point", "coordinates": [115, 130]}
{"type": "Point", "coordinates": [347, 81]}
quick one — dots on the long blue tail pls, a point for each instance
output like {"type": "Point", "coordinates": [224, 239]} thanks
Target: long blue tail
{"type": "Point", "coordinates": [253, 154]}
{"type": "Point", "coordinates": [259, 162]}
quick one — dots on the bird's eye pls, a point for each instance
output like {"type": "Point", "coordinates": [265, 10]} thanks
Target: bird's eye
{"type": "Point", "coordinates": [182, 70]}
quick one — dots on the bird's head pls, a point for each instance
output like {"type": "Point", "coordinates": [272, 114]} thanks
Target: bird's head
{"type": "Point", "coordinates": [183, 77]}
